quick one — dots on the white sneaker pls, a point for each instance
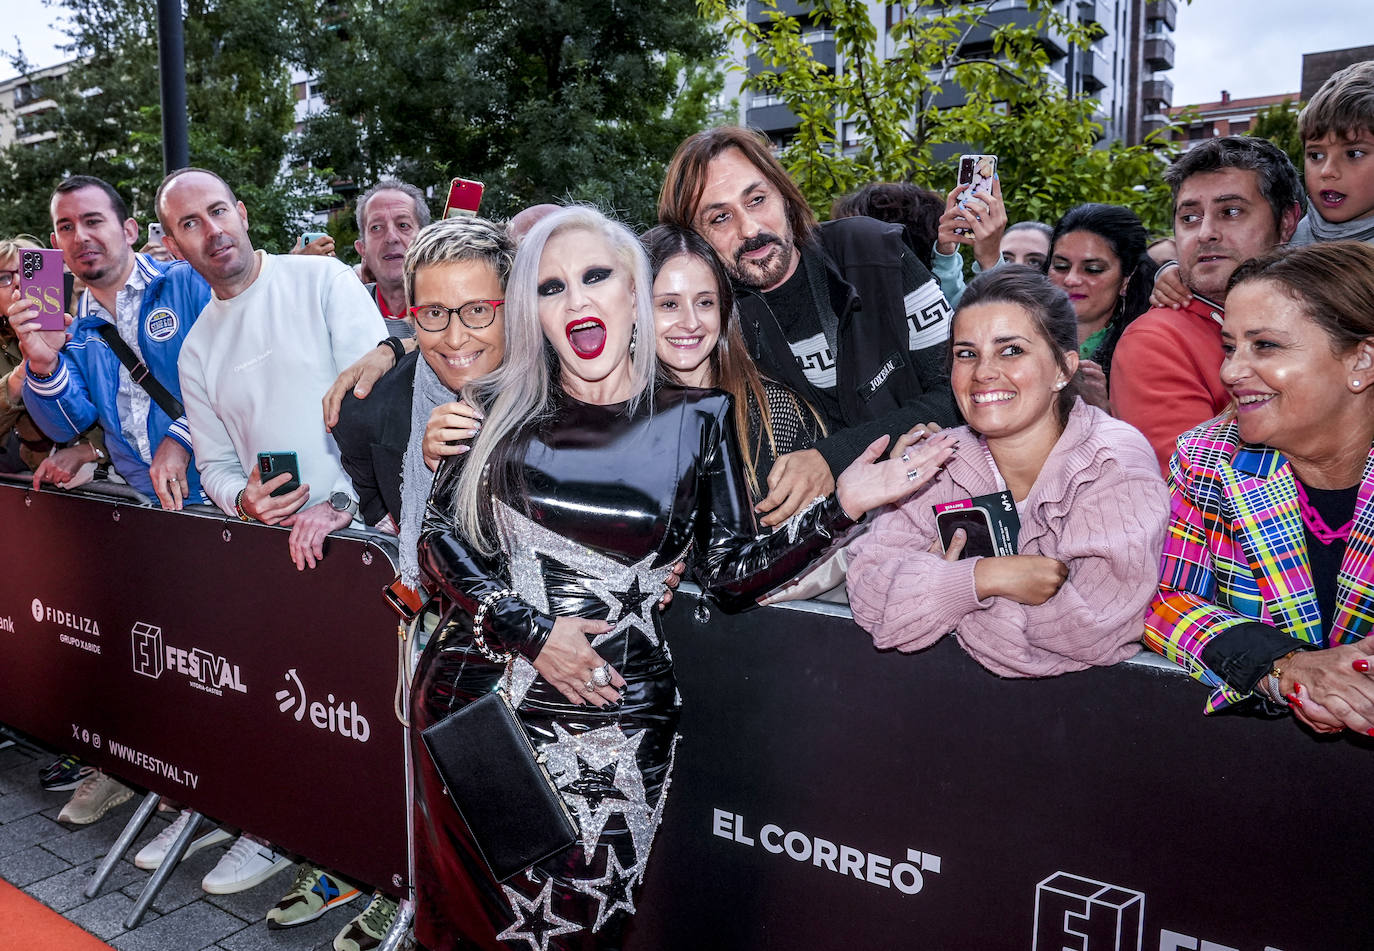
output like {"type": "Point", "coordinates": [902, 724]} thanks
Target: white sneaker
{"type": "Point", "coordinates": [152, 854]}
{"type": "Point", "coordinates": [97, 795]}
{"type": "Point", "coordinates": [245, 864]}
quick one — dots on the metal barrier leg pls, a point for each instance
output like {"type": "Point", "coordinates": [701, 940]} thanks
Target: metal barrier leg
{"type": "Point", "coordinates": [397, 932]}
{"type": "Point", "coordinates": [163, 872]}
{"type": "Point", "coordinates": [121, 845]}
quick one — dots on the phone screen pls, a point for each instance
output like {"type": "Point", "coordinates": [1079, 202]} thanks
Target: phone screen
{"type": "Point", "coordinates": [978, 531]}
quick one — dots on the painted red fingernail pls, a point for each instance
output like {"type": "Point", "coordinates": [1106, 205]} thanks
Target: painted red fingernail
{"type": "Point", "coordinates": [1293, 699]}
{"type": "Point", "coordinates": [1361, 664]}
{"type": "Point", "coordinates": [1370, 732]}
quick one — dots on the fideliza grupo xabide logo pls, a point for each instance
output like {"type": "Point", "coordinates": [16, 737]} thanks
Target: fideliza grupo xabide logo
{"type": "Point", "coordinates": [79, 631]}
{"type": "Point", "coordinates": [202, 669]}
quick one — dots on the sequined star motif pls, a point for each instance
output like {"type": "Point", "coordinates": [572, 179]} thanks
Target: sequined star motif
{"type": "Point", "coordinates": [578, 763]}
{"type": "Point", "coordinates": [629, 592]}
{"type": "Point", "coordinates": [613, 891]}
{"type": "Point", "coordinates": [535, 923]}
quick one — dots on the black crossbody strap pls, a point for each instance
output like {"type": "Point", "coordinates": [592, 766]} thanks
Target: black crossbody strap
{"type": "Point", "coordinates": [140, 373]}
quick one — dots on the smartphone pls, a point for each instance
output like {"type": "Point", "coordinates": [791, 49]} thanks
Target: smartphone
{"type": "Point", "coordinates": [312, 236]}
{"type": "Point", "coordinates": [155, 232]}
{"type": "Point", "coordinates": [978, 171]}
{"type": "Point", "coordinates": [977, 531]}
{"type": "Point", "coordinates": [41, 280]}
{"type": "Point", "coordinates": [273, 464]}
{"type": "Point", "coordinates": [464, 197]}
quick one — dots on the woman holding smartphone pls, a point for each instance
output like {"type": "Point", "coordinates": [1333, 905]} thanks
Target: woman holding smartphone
{"type": "Point", "coordinates": [1086, 488]}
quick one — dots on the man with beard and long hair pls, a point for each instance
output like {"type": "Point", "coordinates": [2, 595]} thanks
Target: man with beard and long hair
{"type": "Point", "coordinates": [843, 313]}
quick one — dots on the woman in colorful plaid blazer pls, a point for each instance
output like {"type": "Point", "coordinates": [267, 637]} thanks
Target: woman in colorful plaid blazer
{"type": "Point", "coordinates": [1267, 587]}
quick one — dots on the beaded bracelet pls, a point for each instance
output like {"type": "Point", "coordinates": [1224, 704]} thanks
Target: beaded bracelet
{"type": "Point", "coordinates": [480, 618]}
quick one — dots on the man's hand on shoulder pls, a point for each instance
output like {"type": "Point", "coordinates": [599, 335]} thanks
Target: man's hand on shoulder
{"type": "Point", "coordinates": [795, 479]}
{"type": "Point", "coordinates": [360, 378]}
{"type": "Point", "coordinates": [308, 531]}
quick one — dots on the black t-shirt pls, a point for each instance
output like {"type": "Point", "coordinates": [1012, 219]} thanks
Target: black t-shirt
{"type": "Point", "coordinates": [1336, 507]}
{"type": "Point", "coordinates": [797, 311]}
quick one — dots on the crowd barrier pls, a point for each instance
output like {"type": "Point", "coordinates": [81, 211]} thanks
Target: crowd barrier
{"type": "Point", "coordinates": [826, 795]}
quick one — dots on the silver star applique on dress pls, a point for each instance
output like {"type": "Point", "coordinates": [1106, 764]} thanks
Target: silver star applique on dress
{"type": "Point", "coordinates": [582, 765]}
{"type": "Point", "coordinates": [612, 891]}
{"type": "Point", "coordinates": [535, 923]}
{"type": "Point", "coordinates": [630, 592]}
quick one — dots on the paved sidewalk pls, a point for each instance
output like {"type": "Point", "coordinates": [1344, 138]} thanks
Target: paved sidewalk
{"type": "Point", "coordinates": [52, 863]}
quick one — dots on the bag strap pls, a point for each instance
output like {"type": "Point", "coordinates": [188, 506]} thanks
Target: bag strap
{"type": "Point", "coordinates": [140, 373]}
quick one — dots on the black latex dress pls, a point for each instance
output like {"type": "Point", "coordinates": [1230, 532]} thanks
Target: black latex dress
{"type": "Point", "coordinates": [614, 498]}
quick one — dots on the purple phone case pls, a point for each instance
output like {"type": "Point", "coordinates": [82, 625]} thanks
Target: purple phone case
{"type": "Point", "coordinates": [40, 278]}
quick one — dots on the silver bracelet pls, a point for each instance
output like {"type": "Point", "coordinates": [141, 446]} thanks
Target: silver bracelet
{"type": "Point", "coordinates": [480, 618]}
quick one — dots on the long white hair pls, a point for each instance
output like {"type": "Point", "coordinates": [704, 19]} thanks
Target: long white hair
{"type": "Point", "coordinates": [519, 392]}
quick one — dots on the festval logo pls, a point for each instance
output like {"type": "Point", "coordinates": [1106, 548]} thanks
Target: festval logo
{"type": "Point", "coordinates": [37, 608]}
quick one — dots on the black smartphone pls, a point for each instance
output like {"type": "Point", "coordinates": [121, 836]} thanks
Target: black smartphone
{"type": "Point", "coordinates": [273, 464]}
{"type": "Point", "coordinates": [977, 531]}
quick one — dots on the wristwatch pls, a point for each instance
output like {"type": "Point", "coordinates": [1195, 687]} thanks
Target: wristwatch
{"type": "Point", "coordinates": [343, 502]}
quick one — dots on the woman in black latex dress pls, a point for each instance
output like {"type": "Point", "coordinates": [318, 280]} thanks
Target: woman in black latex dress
{"type": "Point", "coordinates": [589, 481]}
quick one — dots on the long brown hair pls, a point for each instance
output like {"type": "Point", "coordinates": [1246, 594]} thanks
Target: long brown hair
{"type": "Point", "coordinates": [686, 178]}
{"type": "Point", "coordinates": [732, 369]}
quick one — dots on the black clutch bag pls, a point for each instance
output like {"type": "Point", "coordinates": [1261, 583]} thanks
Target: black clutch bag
{"type": "Point", "coordinates": [504, 794]}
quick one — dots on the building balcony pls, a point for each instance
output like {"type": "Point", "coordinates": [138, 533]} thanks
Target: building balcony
{"type": "Point", "coordinates": [791, 8]}
{"type": "Point", "coordinates": [1161, 11]}
{"type": "Point", "coordinates": [1159, 53]}
{"type": "Point", "coordinates": [1094, 72]}
{"type": "Point", "coordinates": [1090, 11]}
{"type": "Point", "coordinates": [1153, 123]}
{"type": "Point", "coordinates": [771, 117]}
{"type": "Point", "coordinates": [1157, 94]}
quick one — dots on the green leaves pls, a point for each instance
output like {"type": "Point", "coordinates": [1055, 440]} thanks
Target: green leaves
{"type": "Point", "coordinates": [239, 102]}
{"type": "Point", "coordinates": [888, 101]}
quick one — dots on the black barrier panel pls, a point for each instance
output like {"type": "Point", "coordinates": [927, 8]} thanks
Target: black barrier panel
{"type": "Point", "coordinates": [830, 796]}
{"type": "Point", "coordinates": [186, 654]}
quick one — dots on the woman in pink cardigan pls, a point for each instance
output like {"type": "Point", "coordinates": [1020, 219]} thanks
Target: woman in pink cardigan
{"type": "Point", "coordinates": [1092, 505]}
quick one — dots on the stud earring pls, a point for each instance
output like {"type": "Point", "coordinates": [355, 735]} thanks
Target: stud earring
{"type": "Point", "coordinates": [1060, 385]}
{"type": "Point", "coordinates": [1355, 384]}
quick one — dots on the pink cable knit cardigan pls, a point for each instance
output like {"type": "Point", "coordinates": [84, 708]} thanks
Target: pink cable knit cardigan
{"type": "Point", "coordinates": [1099, 505]}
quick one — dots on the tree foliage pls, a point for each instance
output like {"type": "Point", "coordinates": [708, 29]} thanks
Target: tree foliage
{"type": "Point", "coordinates": [1279, 124]}
{"type": "Point", "coordinates": [898, 104]}
{"type": "Point", "coordinates": [107, 117]}
{"type": "Point", "coordinates": [542, 100]}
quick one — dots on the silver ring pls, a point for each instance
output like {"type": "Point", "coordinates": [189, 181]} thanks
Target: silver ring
{"type": "Point", "coordinates": [906, 457]}
{"type": "Point", "coordinates": [590, 688]}
{"type": "Point", "coordinates": [912, 474]}
{"type": "Point", "coordinates": [601, 676]}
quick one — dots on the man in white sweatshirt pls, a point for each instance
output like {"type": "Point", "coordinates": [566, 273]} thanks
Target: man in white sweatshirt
{"type": "Point", "coordinates": [276, 333]}
{"type": "Point", "coordinates": [274, 336]}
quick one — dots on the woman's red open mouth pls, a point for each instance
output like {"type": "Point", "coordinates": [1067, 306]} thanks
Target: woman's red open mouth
{"type": "Point", "coordinates": [587, 337]}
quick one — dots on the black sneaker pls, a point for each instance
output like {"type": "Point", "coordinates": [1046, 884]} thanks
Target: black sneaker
{"type": "Point", "coordinates": [66, 772]}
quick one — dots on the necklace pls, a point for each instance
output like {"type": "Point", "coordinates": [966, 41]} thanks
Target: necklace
{"type": "Point", "coordinates": [1321, 531]}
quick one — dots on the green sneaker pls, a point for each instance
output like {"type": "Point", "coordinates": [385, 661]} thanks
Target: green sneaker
{"type": "Point", "coordinates": [315, 891]}
{"type": "Point", "coordinates": [368, 929]}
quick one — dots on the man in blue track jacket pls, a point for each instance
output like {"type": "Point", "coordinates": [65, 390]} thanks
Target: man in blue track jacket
{"type": "Point", "coordinates": [74, 379]}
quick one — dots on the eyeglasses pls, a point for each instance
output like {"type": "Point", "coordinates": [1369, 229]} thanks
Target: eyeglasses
{"type": "Point", "coordinates": [475, 315]}
{"type": "Point", "coordinates": [7, 278]}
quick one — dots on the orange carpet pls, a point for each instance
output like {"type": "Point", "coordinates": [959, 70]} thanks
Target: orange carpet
{"type": "Point", "coordinates": [27, 923]}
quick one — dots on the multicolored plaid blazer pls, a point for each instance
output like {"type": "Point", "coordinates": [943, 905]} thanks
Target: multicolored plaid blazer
{"type": "Point", "coordinates": [1235, 552]}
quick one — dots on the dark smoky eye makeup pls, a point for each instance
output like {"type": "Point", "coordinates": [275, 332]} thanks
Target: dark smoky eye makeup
{"type": "Point", "coordinates": [595, 275]}
{"type": "Point", "coordinates": [551, 286]}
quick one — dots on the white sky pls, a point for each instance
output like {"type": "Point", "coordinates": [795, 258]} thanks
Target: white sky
{"type": "Point", "coordinates": [1249, 47]}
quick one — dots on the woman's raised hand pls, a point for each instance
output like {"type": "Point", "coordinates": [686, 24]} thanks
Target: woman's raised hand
{"type": "Point", "coordinates": [868, 483]}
